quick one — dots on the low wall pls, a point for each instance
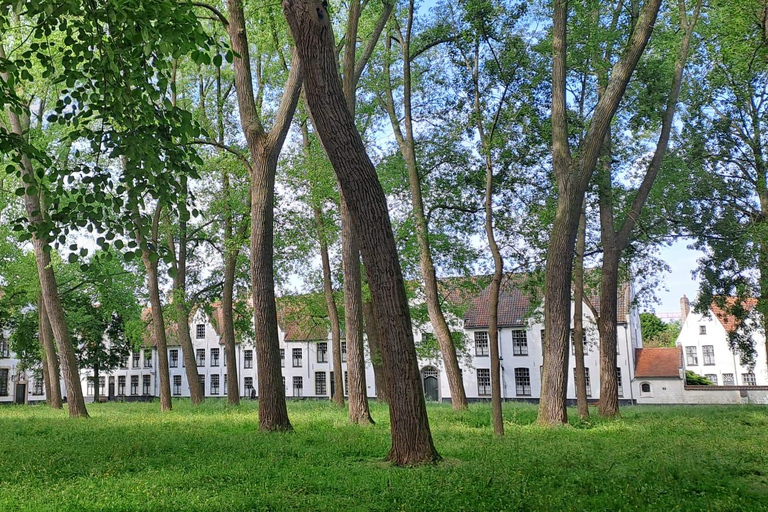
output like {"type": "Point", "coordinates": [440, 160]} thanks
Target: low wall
{"type": "Point", "coordinates": [726, 394]}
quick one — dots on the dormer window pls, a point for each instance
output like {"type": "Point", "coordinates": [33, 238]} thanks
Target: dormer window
{"type": "Point", "coordinates": [702, 329]}
{"type": "Point", "coordinates": [200, 331]}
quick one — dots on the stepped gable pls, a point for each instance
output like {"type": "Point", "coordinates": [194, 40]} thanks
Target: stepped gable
{"type": "Point", "coordinates": [658, 362]}
{"type": "Point", "coordinates": [729, 321]}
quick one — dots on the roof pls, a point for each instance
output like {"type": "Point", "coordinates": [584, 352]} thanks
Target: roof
{"type": "Point", "coordinates": [729, 321]}
{"type": "Point", "coordinates": [623, 302]}
{"type": "Point", "coordinates": [303, 317]}
{"type": "Point", "coordinates": [658, 362]}
{"type": "Point", "coordinates": [514, 306]}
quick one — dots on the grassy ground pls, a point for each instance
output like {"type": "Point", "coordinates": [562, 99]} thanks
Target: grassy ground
{"type": "Point", "coordinates": [131, 457]}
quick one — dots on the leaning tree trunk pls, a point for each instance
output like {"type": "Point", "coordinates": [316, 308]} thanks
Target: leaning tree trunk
{"type": "Point", "coordinates": [372, 332]}
{"type": "Point", "coordinates": [333, 314]}
{"type": "Point", "coordinates": [353, 295]}
{"type": "Point", "coordinates": [406, 143]}
{"type": "Point", "coordinates": [158, 330]}
{"type": "Point", "coordinates": [311, 29]}
{"type": "Point", "coordinates": [51, 375]}
{"type": "Point", "coordinates": [580, 379]}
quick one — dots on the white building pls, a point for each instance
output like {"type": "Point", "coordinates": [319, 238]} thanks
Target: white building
{"type": "Point", "coordinates": [17, 385]}
{"type": "Point", "coordinates": [706, 351]}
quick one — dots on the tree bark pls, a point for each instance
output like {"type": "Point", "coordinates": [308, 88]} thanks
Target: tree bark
{"type": "Point", "coordinates": [49, 289]}
{"type": "Point", "coordinates": [264, 148]}
{"type": "Point", "coordinates": [580, 380]}
{"type": "Point", "coordinates": [51, 374]}
{"type": "Point", "coordinates": [406, 143]}
{"type": "Point", "coordinates": [196, 392]}
{"type": "Point", "coordinates": [372, 332]}
{"type": "Point", "coordinates": [615, 241]}
{"type": "Point", "coordinates": [96, 385]}
{"type": "Point", "coordinates": [572, 179]}
{"type": "Point", "coordinates": [359, 412]}
{"type": "Point", "coordinates": [333, 314]}
{"type": "Point", "coordinates": [311, 29]}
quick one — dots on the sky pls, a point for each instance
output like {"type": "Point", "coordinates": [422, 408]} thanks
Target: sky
{"type": "Point", "coordinates": [682, 261]}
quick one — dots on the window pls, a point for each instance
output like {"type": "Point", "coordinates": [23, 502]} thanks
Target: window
{"type": "Point", "coordinates": [201, 382]}
{"type": "Point", "coordinates": [200, 331]}
{"type": "Point", "coordinates": [214, 357]}
{"type": "Point", "coordinates": [749, 379]}
{"type": "Point", "coordinates": [3, 382]}
{"type": "Point", "coordinates": [481, 343]}
{"type": "Point", "coordinates": [225, 385]}
{"type": "Point", "coordinates": [121, 385]}
{"type": "Point", "coordinates": [586, 377]}
{"type": "Point", "coordinates": [702, 329]}
{"type": "Point", "coordinates": [343, 351]}
{"type": "Point", "coordinates": [346, 383]}
{"type": "Point", "coordinates": [296, 357]}
{"type": "Point", "coordinates": [645, 390]}
{"type": "Point", "coordinates": [708, 352]}
{"type": "Point", "coordinates": [136, 359]}
{"type": "Point", "coordinates": [483, 382]}
{"type": "Point", "coordinates": [618, 381]}
{"type": "Point", "coordinates": [173, 359]}
{"type": "Point", "coordinates": [200, 356]}
{"type": "Point", "coordinates": [102, 386]}
{"type": "Point", "coordinates": [298, 385]}
{"type": "Point", "coordinates": [322, 353]}
{"type": "Point", "coordinates": [522, 382]}
{"type": "Point", "coordinates": [134, 385]}
{"type": "Point", "coordinates": [224, 359]}
{"type": "Point", "coordinates": [146, 383]}
{"type": "Point", "coordinates": [248, 386]}
{"type": "Point", "coordinates": [4, 351]}
{"type": "Point", "coordinates": [728, 379]}
{"type": "Point", "coordinates": [583, 341]}
{"type": "Point", "coordinates": [214, 384]}
{"type": "Point", "coordinates": [124, 362]}
{"type": "Point", "coordinates": [711, 377]}
{"type": "Point", "coordinates": [248, 359]}
{"type": "Point", "coordinates": [691, 356]}
{"type": "Point", "coordinates": [177, 385]}
{"type": "Point", "coordinates": [320, 384]}
{"type": "Point", "coordinates": [282, 358]}
{"type": "Point", "coordinates": [147, 359]}
{"type": "Point", "coordinates": [89, 386]}
{"type": "Point", "coordinates": [38, 388]}
{"type": "Point", "coordinates": [519, 343]}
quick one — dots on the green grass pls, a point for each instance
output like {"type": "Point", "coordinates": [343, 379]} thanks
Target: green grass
{"type": "Point", "coordinates": [132, 457]}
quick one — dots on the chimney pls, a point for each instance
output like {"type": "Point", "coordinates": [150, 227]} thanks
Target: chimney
{"type": "Point", "coordinates": [685, 308]}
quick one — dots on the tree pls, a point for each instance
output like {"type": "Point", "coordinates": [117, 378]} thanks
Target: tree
{"type": "Point", "coordinates": [572, 175]}
{"type": "Point", "coordinates": [657, 333]}
{"type": "Point", "coordinates": [310, 25]}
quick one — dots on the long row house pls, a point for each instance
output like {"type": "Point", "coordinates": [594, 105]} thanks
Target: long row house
{"type": "Point", "coordinates": [651, 375]}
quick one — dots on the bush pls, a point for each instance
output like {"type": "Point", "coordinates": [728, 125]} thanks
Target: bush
{"type": "Point", "coordinates": [694, 379]}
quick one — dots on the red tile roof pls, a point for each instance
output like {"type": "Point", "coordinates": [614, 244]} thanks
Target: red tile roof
{"type": "Point", "coordinates": [729, 321]}
{"type": "Point", "coordinates": [658, 362]}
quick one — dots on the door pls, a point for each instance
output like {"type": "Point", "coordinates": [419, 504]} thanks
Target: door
{"type": "Point", "coordinates": [333, 387]}
{"type": "Point", "coordinates": [21, 393]}
{"type": "Point", "coordinates": [430, 383]}
{"type": "Point", "coordinates": [111, 388]}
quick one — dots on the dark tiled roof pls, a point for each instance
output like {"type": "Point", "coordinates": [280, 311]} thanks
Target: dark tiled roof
{"type": "Point", "coordinates": [623, 304]}
{"type": "Point", "coordinates": [658, 362]}
{"type": "Point", "coordinates": [514, 307]}
{"type": "Point", "coordinates": [303, 317]}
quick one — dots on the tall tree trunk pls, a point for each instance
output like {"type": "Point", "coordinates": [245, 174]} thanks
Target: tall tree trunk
{"type": "Point", "coordinates": [572, 178]}
{"type": "Point", "coordinates": [311, 29]}
{"type": "Point", "coordinates": [96, 389]}
{"type": "Point", "coordinates": [350, 250]}
{"type": "Point", "coordinates": [196, 392]}
{"type": "Point", "coordinates": [406, 143]}
{"type": "Point", "coordinates": [372, 332]}
{"type": "Point", "coordinates": [49, 289]}
{"type": "Point", "coordinates": [158, 329]}
{"type": "Point", "coordinates": [353, 296]}
{"type": "Point", "coordinates": [264, 148]}
{"type": "Point", "coordinates": [333, 314]}
{"type": "Point", "coordinates": [51, 375]}
{"type": "Point", "coordinates": [615, 241]}
{"type": "Point", "coordinates": [580, 379]}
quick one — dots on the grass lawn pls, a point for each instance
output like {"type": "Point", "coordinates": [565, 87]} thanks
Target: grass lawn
{"type": "Point", "coordinates": [132, 457]}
